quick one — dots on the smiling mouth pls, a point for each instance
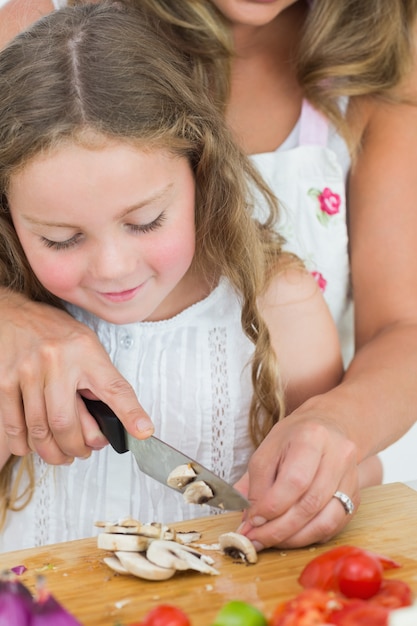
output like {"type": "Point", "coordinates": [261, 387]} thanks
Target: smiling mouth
{"type": "Point", "coordinates": [120, 296]}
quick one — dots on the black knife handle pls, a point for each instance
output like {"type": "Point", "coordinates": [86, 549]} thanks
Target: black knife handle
{"type": "Point", "coordinates": [110, 425]}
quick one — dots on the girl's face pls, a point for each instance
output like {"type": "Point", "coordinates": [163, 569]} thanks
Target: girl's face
{"type": "Point", "coordinates": [251, 12]}
{"type": "Point", "coordinates": [110, 230]}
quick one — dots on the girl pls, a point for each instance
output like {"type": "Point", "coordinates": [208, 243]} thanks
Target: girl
{"type": "Point", "coordinates": [124, 201]}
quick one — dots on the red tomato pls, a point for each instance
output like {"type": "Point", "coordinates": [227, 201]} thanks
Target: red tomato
{"type": "Point", "coordinates": [359, 575]}
{"type": "Point", "coordinates": [308, 608]}
{"type": "Point", "coordinates": [360, 613]}
{"type": "Point", "coordinates": [321, 572]}
{"type": "Point", "coordinates": [164, 615]}
{"type": "Point", "coordinates": [393, 594]}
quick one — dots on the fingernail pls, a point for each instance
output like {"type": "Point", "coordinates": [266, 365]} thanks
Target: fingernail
{"type": "Point", "coordinates": [258, 546]}
{"type": "Point", "coordinates": [257, 521]}
{"type": "Point", "coordinates": [143, 427]}
{"type": "Point", "coordinates": [69, 461]}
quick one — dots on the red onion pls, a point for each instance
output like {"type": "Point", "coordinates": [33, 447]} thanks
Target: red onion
{"type": "Point", "coordinates": [46, 611]}
{"type": "Point", "coordinates": [16, 603]}
{"type": "Point", "coordinates": [19, 569]}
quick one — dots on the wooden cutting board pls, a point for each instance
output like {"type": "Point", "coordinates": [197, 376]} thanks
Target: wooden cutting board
{"type": "Point", "coordinates": [386, 523]}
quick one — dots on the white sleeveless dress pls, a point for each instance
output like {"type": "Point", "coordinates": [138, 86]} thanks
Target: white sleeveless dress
{"type": "Point", "coordinates": [192, 376]}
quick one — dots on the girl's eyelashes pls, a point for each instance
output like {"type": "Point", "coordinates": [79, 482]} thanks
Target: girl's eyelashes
{"type": "Point", "coordinates": [137, 228]}
{"type": "Point", "coordinates": [61, 245]}
{"type": "Point", "coordinates": [146, 228]}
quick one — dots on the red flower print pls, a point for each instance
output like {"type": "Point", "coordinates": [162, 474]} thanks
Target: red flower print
{"type": "Point", "coordinates": [327, 204]}
{"type": "Point", "coordinates": [329, 201]}
{"type": "Point", "coordinates": [320, 280]}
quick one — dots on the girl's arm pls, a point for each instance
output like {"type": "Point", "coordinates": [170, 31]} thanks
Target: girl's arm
{"type": "Point", "coordinates": [303, 336]}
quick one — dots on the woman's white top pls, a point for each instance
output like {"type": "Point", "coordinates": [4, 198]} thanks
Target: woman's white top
{"type": "Point", "coordinates": [307, 174]}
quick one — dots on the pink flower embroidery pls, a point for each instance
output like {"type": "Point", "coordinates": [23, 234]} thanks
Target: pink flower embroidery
{"type": "Point", "coordinates": [327, 204]}
{"type": "Point", "coordinates": [329, 201]}
{"type": "Point", "coordinates": [320, 280]}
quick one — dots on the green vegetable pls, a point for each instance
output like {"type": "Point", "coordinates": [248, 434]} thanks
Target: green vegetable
{"type": "Point", "coordinates": [239, 613]}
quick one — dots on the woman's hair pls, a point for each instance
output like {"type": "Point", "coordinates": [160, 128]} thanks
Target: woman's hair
{"type": "Point", "coordinates": [347, 48]}
{"type": "Point", "coordinates": [104, 72]}
{"type": "Point", "coordinates": [356, 48]}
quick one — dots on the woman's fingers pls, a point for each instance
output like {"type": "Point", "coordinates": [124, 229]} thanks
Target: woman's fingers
{"type": "Point", "coordinates": [291, 486]}
{"type": "Point", "coordinates": [48, 359]}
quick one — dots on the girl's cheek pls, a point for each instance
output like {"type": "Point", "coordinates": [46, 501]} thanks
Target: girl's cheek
{"type": "Point", "coordinates": [57, 277]}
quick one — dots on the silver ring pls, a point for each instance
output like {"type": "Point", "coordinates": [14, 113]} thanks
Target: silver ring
{"type": "Point", "coordinates": [345, 501]}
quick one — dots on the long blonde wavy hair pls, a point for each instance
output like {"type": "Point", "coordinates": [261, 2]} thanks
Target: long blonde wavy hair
{"type": "Point", "coordinates": [347, 48]}
{"type": "Point", "coordinates": [100, 72]}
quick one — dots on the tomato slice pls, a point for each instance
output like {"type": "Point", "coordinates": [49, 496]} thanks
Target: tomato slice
{"type": "Point", "coordinates": [393, 594]}
{"type": "Point", "coordinates": [321, 572]}
{"type": "Point", "coordinates": [309, 608]}
{"type": "Point", "coordinates": [164, 615]}
{"type": "Point", "coordinates": [360, 613]}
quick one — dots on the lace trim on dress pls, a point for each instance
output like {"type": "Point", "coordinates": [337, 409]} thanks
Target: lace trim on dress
{"type": "Point", "coordinates": [43, 502]}
{"type": "Point", "coordinates": [221, 399]}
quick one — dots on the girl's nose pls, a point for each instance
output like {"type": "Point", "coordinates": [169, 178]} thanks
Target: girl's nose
{"type": "Point", "coordinates": [114, 260]}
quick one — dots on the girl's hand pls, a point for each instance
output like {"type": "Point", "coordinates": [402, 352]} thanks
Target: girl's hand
{"type": "Point", "coordinates": [47, 360]}
{"type": "Point", "coordinates": [291, 480]}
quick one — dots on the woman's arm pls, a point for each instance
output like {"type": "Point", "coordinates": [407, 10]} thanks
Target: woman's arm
{"type": "Point", "coordinates": [376, 402]}
{"type": "Point", "coordinates": [381, 382]}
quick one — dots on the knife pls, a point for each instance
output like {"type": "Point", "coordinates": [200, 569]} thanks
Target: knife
{"type": "Point", "coordinates": [157, 458]}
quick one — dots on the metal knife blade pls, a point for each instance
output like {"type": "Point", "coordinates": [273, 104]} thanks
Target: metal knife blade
{"type": "Point", "coordinates": [157, 458]}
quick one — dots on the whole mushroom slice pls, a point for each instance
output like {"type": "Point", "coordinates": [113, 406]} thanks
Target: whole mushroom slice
{"type": "Point", "coordinates": [114, 564]}
{"type": "Point", "coordinates": [127, 543]}
{"type": "Point", "coordinates": [198, 492]}
{"type": "Point", "coordinates": [138, 565]}
{"type": "Point", "coordinates": [181, 557]}
{"type": "Point", "coordinates": [238, 547]}
{"type": "Point", "coordinates": [180, 476]}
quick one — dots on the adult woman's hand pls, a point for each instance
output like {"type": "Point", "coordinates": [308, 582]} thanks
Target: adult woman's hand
{"type": "Point", "coordinates": [292, 478]}
{"type": "Point", "coordinates": [47, 360]}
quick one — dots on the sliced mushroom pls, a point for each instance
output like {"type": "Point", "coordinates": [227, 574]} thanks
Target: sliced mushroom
{"type": "Point", "coordinates": [181, 476]}
{"type": "Point", "coordinates": [120, 527]}
{"type": "Point", "coordinates": [238, 547]}
{"type": "Point", "coordinates": [140, 566]}
{"type": "Point", "coordinates": [181, 557]}
{"type": "Point", "coordinates": [114, 564]}
{"type": "Point", "coordinates": [198, 492]}
{"type": "Point", "coordinates": [187, 537]}
{"type": "Point", "coordinates": [127, 543]}
{"type": "Point", "coordinates": [129, 526]}
{"type": "Point", "coordinates": [155, 530]}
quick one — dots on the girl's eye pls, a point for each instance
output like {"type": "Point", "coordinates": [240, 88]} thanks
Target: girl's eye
{"type": "Point", "coordinates": [61, 245]}
{"type": "Point", "coordinates": [146, 228]}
